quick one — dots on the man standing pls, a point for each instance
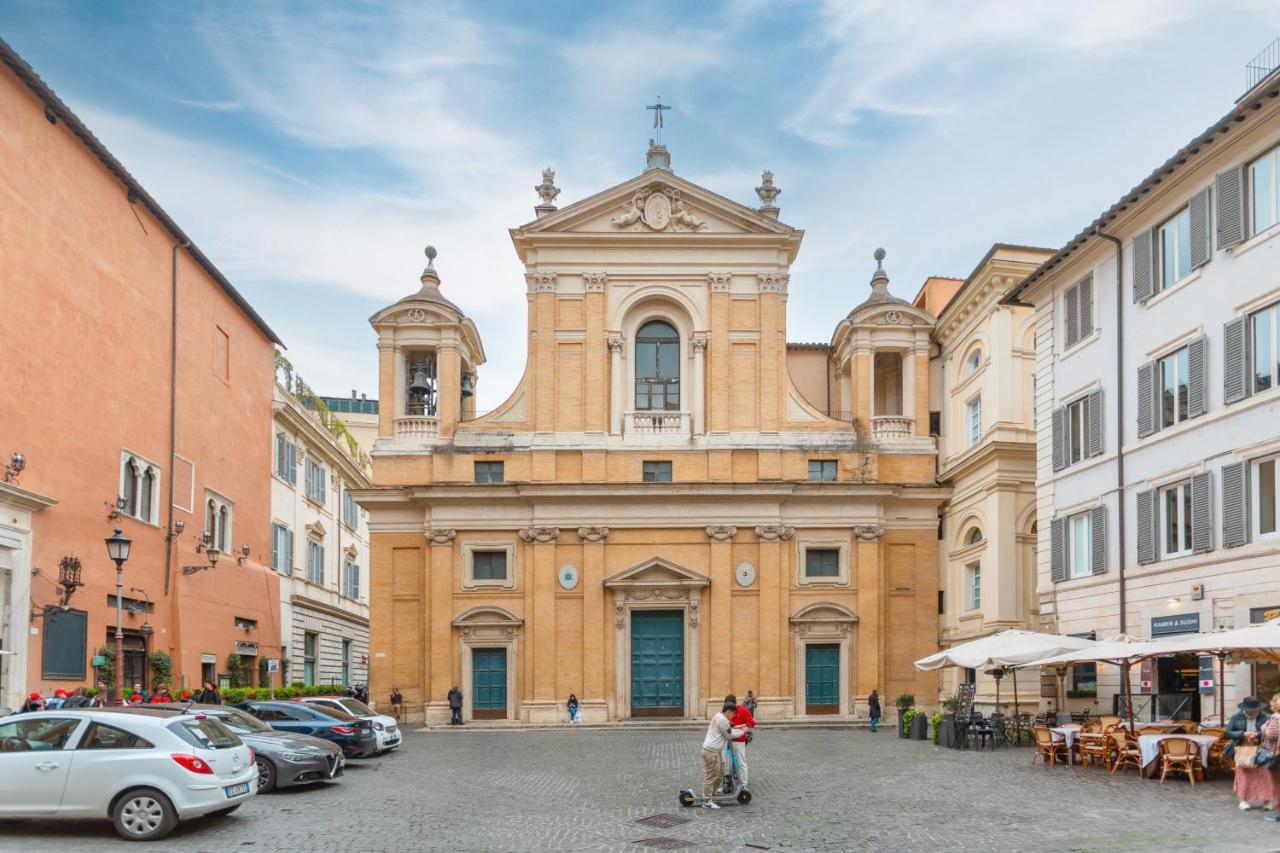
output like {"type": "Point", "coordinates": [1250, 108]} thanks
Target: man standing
{"type": "Point", "coordinates": [713, 746]}
{"type": "Point", "coordinates": [1245, 724]}
{"type": "Point", "coordinates": [873, 708]}
{"type": "Point", "coordinates": [397, 701]}
{"type": "Point", "coordinates": [455, 706]}
{"type": "Point", "coordinates": [742, 719]}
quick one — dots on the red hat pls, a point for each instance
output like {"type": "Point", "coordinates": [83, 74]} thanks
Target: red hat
{"type": "Point", "coordinates": [137, 697]}
{"type": "Point", "coordinates": [34, 696]}
{"type": "Point", "coordinates": [186, 694]}
{"type": "Point", "coordinates": [59, 692]}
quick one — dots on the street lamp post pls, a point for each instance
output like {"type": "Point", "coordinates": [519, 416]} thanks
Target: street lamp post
{"type": "Point", "coordinates": [118, 550]}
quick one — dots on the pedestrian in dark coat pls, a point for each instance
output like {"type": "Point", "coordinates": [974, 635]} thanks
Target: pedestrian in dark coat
{"type": "Point", "coordinates": [209, 695]}
{"type": "Point", "coordinates": [455, 706]}
{"type": "Point", "coordinates": [873, 708]}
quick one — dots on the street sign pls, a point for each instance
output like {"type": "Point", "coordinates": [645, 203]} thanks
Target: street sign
{"type": "Point", "coordinates": [273, 665]}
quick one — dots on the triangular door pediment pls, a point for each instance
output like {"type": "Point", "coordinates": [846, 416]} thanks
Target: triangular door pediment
{"type": "Point", "coordinates": [656, 202]}
{"type": "Point", "coordinates": [656, 572]}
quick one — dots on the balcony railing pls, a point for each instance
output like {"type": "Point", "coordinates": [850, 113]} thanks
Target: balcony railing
{"type": "Point", "coordinates": [889, 427]}
{"type": "Point", "coordinates": [656, 423]}
{"type": "Point", "coordinates": [416, 426]}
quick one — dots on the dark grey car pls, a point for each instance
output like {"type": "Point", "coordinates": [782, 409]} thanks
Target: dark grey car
{"type": "Point", "coordinates": [283, 758]}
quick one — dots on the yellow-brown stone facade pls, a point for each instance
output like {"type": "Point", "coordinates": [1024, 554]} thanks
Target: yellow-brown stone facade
{"type": "Point", "coordinates": [656, 516]}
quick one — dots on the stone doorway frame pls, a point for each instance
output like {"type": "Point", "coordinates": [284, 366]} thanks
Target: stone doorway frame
{"type": "Point", "coordinates": [656, 584]}
{"type": "Point", "coordinates": [823, 623]}
{"type": "Point", "coordinates": [488, 627]}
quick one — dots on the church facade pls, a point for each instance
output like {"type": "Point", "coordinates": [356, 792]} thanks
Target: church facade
{"type": "Point", "coordinates": [673, 504]}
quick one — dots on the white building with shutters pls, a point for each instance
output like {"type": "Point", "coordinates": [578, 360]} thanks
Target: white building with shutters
{"type": "Point", "coordinates": [1158, 404]}
{"type": "Point", "coordinates": [319, 542]}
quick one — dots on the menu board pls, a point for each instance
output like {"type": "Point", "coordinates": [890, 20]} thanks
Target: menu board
{"type": "Point", "coordinates": [964, 695]}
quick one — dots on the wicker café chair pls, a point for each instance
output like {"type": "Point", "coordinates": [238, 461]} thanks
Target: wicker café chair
{"type": "Point", "coordinates": [1048, 749]}
{"type": "Point", "coordinates": [1108, 722]}
{"type": "Point", "coordinates": [1093, 747]}
{"type": "Point", "coordinates": [1180, 755]}
{"type": "Point", "coordinates": [1125, 752]}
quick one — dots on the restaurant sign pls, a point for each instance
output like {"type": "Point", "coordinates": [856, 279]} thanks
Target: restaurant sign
{"type": "Point", "coordinates": [1182, 623]}
{"type": "Point", "coordinates": [1258, 615]}
{"type": "Point", "coordinates": [246, 649]}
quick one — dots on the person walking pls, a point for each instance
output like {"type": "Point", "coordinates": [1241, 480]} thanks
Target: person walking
{"type": "Point", "coordinates": [719, 732]}
{"type": "Point", "coordinates": [750, 702]}
{"type": "Point", "coordinates": [397, 704]}
{"type": "Point", "coordinates": [455, 706]}
{"type": "Point", "coordinates": [34, 703]}
{"type": "Point", "coordinates": [209, 695]}
{"type": "Point", "coordinates": [1252, 729]}
{"type": "Point", "coordinates": [873, 709]}
{"type": "Point", "coordinates": [745, 720]}
{"type": "Point", "coordinates": [573, 707]}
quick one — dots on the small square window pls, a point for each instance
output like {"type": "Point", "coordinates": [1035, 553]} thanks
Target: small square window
{"type": "Point", "coordinates": [1079, 545]}
{"type": "Point", "coordinates": [823, 470]}
{"type": "Point", "coordinates": [657, 472]}
{"type": "Point", "coordinates": [822, 562]}
{"type": "Point", "coordinates": [489, 472]}
{"type": "Point", "coordinates": [1175, 520]}
{"type": "Point", "coordinates": [221, 354]}
{"type": "Point", "coordinates": [489, 565]}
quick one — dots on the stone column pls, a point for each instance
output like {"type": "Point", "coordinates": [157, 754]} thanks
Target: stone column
{"type": "Point", "coordinates": [617, 383]}
{"type": "Point", "coordinates": [772, 539]}
{"type": "Point", "coordinates": [699, 390]}
{"type": "Point", "coordinates": [540, 628]}
{"type": "Point", "coordinates": [720, 617]}
{"type": "Point", "coordinates": [440, 645]}
{"type": "Point", "coordinates": [908, 373]}
{"type": "Point", "coordinates": [871, 604]}
{"type": "Point", "coordinates": [921, 373]}
{"type": "Point", "coordinates": [594, 351]}
{"type": "Point", "coordinates": [719, 282]}
{"type": "Point", "coordinates": [390, 386]}
{"type": "Point", "coordinates": [449, 386]}
{"type": "Point", "coordinates": [595, 707]}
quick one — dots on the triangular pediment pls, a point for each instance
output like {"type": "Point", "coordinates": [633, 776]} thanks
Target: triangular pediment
{"type": "Point", "coordinates": [656, 202]}
{"type": "Point", "coordinates": [656, 572]}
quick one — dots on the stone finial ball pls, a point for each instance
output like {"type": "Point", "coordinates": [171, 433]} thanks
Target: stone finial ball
{"type": "Point", "coordinates": [431, 253]}
{"type": "Point", "coordinates": [879, 255]}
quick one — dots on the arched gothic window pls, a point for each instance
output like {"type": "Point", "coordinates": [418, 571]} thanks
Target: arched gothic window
{"type": "Point", "coordinates": [224, 525]}
{"type": "Point", "coordinates": [130, 490]}
{"type": "Point", "coordinates": [657, 367]}
{"type": "Point", "coordinates": [145, 495]}
{"type": "Point", "coordinates": [973, 537]}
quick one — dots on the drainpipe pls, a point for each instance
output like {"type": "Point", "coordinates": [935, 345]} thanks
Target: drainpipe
{"type": "Point", "coordinates": [1119, 408]}
{"type": "Point", "coordinates": [173, 404]}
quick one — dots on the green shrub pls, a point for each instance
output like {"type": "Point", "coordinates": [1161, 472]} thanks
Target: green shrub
{"type": "Point", "coordinates": [934, 722]}
{"type": "Point", "coordinates": [905, 700]}
{"type": "Point", "coordinates": [952, 704]}
{"type": "Point", "coordinates": [161, 669]}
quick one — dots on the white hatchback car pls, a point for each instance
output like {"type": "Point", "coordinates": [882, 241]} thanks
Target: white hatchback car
{"type": "Point", "coordinates": [385, 729]}
{"type": "Point", "coordinates": [143, 768]}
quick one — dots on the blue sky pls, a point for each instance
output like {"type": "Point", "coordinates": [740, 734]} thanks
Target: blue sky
{"type": "Point", "coordinates": [313, 149]}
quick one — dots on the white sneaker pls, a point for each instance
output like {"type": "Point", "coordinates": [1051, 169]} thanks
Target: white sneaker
{"type": "Point", "coordinates": [1244, 807]}
{"type": "Point", "coordinates": [709, 804]}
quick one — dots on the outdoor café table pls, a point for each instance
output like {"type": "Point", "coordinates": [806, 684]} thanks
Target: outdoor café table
{"type": "Point", "coordinates": [1067, 734]}
{"type": "Point", "coordinates": [1162, 724]}
{"type": "Point", "coordinates": [1149, 746]}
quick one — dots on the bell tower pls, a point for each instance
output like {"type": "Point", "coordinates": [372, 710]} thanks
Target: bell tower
{"type": "Point", "coordinates": [428, 356]}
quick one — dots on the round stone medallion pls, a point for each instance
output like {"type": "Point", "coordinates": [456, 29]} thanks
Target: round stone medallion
{"type": "Point", "coordinates": [568, 576]}
{"type": "Point", "coordinates": [745, 574]}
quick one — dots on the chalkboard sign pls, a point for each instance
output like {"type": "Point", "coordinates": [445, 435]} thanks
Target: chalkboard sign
{"type": "Point", "coordinates": [964, 695]}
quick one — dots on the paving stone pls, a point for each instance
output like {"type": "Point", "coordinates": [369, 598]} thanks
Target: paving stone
{"type": "Point", "coordinates": [819, 790]}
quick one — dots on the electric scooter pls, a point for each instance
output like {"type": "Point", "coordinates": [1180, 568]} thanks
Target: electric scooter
{"type": "Point", "coordinates": [730, 791]}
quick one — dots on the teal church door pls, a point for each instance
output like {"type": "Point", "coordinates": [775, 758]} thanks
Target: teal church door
{"type": "Point", "coordinates": [657, 663]}
{"type": "Point", "coordinates": [489, 684]}
{"type": "Point", "coordinates": [822, 679]}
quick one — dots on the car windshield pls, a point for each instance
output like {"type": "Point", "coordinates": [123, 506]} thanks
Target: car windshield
{"type": "Point", "coordinates": [331, 712]}
{"type": "Point", "coordinates": [204, 732]}
{"type": "Point", "coordinates": [243, 724]}
{"type": "Point", "coordinates": [357, 707]}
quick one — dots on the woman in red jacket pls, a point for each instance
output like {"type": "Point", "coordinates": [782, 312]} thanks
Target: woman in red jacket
{"type": "Point", "coordinates": [742, 719]}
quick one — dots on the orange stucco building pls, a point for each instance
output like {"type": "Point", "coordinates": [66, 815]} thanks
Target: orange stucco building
{"type": "Point", "coordinates": [124, 419]}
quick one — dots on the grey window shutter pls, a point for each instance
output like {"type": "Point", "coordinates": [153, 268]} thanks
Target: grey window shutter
{"type": "Point", "coordinates": [1071, 307]}
{"type": "Point", "coordinates": [1228, 188]}
{"type": "Point", "coordinates": [1057, 550]}
{"type": "Point", "coordinates": [1198, 208]}
{"type": "Point", "coordinates": [1198, 378]}
{"type": "Point", "coordinates": [1093, 434]}
{"type": "Point", "coordinates": [277, 533]}
{"type": "Point", "coordinates": [1235, 360]}
{"type": "Point", "coordinates": [1059, 439]}
{"type": "Point", "coordinates": [1143, 272]}
{"type": "Point", "coordinates": [1235, 504]}
{"type": "Point", "coordinates": [1146, 527]}
{"type": "Point", "coordinates": [1098, 547]}
{"type": "Point", "coordinates": [1146, 399]}
{"type": "Point", "coordinates": [1201, 513]}
{"type": "Point", "coordinates": [1086, 307]}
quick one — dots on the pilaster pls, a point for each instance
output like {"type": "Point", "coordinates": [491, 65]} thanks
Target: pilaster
{"type": "Point", "coordinates": [594, 702]}
{"type": "Point", "coordinates": [871, 603]}
{"type": "Point", "coordinates": [440, 648]}
{"type": "Point", "coordinates": [720, 636]}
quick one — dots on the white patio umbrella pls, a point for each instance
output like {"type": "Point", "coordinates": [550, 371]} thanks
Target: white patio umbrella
{"type": "Point", "coordinates": [1122, 651]}
{"type": "Point", "coordinates": [1253, 641]}
{"type": "Point", "coordinates": [1005, 649]}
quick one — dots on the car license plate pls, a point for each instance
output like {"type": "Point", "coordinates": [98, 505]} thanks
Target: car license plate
{"type": "Point", "coordinates": [393, 739]}
{"type": "Point", "coordinates": [237, 790]}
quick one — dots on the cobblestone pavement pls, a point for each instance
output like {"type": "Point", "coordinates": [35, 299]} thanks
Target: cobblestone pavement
{"type": "Point", "coordinates": [814, 790]}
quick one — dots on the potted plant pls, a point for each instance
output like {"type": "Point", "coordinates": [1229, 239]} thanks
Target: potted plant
{"type": "Point", "coordinates": [935, 725]}
{"type": "Point", "coordinates": [903, 702]}
{"type": "Point", "coordinates": [916, 723]}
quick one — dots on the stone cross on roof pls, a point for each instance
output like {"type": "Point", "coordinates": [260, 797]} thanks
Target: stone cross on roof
{"type": "Point", "coordinates": [657, 117]}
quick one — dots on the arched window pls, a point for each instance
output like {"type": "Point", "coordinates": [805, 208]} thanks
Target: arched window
{"type": "Point", "coordinates": [224, 523]}
{"type": "Point", "coordinates": [657, 371]}
{"type": "Point", "coordinates": [130, 490]}
{"type": "Point", "coordinates": [974, 361]}
{"type": "Point", "coordinates": [145, 494]}
{"type": "Point", "coordinates": [210, 520]}
{"type": "Point", "coordinates": [973, 537]}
